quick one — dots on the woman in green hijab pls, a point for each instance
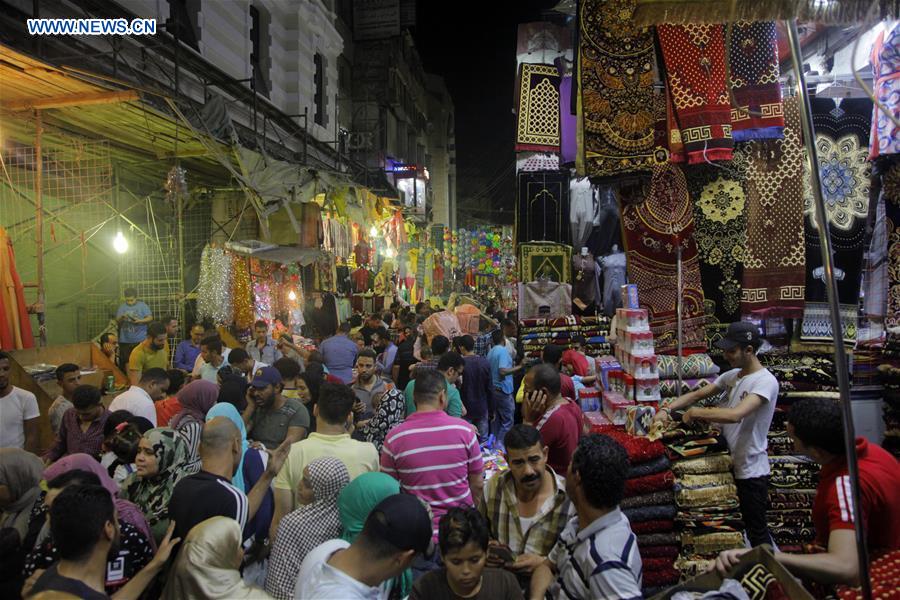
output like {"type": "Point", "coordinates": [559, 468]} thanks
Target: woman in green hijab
{"type": "Point", "coordinates": [354, 505]}
{"type": "Point", "coordinates": [159, 465]}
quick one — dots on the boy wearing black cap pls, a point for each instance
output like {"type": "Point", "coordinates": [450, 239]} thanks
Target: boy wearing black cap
{"type": "Point", "coordinates": [744, 418]}
{"type": "Point", "coordinates": [397, 529]}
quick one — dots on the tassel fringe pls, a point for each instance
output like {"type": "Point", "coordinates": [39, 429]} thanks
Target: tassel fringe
{"type": "Point", "coordinates": [652, 12]}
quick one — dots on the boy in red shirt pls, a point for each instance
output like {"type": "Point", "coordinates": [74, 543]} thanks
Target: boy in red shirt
{"type": "Point", "coordinates": [815, 426]}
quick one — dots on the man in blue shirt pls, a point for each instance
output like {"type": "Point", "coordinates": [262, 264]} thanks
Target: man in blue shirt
{"type": "Point", "coordinates": [339, 353]}
{"type": "Point", "coordinates": [502, 369]}
{"type": "Point", "coordinates": [132, 317]}
{"type": "Point", "coordinates": [263, 348]}
{"type": "Point", "coordinates": [187, 351]}
{"type": "Point", "coordinates": [387, 352]}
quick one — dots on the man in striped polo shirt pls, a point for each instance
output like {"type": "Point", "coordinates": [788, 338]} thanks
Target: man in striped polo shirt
{"type": "Point", "coordinates": [433, 455]}
{"type": "Point", "coordinates": [596, 555]}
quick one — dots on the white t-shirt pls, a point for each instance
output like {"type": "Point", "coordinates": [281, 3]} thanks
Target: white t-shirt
{"type": "Point", "coordinates": [16, 407]}
{"type": "Point", "coordinates": [319, 580]}
{"type": "Point", "coordinates": [748, 439]}
{"type": "Point", "coordinates": [136, 401]}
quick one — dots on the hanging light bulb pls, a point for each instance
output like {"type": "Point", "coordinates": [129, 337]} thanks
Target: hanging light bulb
{"type": "Point", "coordinates": [120, 244]}
{"type": "Point", "coordinates": [390, 253]}
{"type": "Point", "coordinates": [373, 231]}
{"type": "Point", "coordinates": [292, 296]}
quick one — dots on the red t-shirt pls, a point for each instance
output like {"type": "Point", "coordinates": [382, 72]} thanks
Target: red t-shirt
{"type": "Point", "coordinates": [560, 432]}
{"type": "Point", "coordinates": [879, 488]}
{"type": "Point", "coordinates": [566, 386]}
{"type": "Point", "coordinates": [166, 409]}
{"type": "Point", "coordinates": [577, 360]}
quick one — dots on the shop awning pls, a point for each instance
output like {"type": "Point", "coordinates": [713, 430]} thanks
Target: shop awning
{"type": "Point", "coordinates": [287, 255]}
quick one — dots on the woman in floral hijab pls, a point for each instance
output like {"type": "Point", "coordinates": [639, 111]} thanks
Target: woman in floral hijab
{"type": "Point", "coordinates": [161, 458]}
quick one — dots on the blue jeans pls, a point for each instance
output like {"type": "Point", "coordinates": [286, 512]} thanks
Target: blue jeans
{"type": "Point", "coordinates": [482, 425]}
{"type": "Point", "coordinates": [505, 408]}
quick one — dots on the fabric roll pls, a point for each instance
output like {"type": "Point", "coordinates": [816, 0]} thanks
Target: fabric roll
{"type": "Point", "coordinates": [754, 80]}
{"type": "Point", "coordinates": [694, 56]}
{"type": "Point", "coordinates": [638, 419]}
{"type": "Point", "coordinates": [654, 526]}
{"type": "Point", "coordinates": [538, 126]}
{"type": "Point", "coordinates": [774, 276]}
{"type": "Point", "coordinates": [617, 104]}
{"type": "Point", "coordinates": [657, 465]}
{"type": "Point", "coordinates": [692, 366]}
{"type": "Point", "coordinates": [651, 513]}
{"type": "Point", "coordinates": [658, 539]}
{"type": "Point", "coordinates": [711, 543]}
{"type": "Point", "coordinates": [640, 450]}
{"type": "Point", "coordinates": [653, 498]}
{"type": "Point", "coordinates": [692, 481]}
{"type": "Point", "coordinates": [669, 552]}
{"type": "Point", "coordinates": [668, 388]}
{"type": "Point", "coordinates": [719, 495]}
{"type": "Point", "coordinates": [842, 141]}
{"type": "Point", "coordinates": [652, 231]}
{"type": "Point", "coordinates": [706, 464]}
{"type": "Point", "coordinates": [649, 483]}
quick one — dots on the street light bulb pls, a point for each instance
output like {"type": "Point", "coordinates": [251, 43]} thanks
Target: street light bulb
{"type": "Point", "coordinates": [292, 296]}
{"type": "Point", "coordinates": [373, 231]}
{"type": "Point", "coordinates": [120, 244]}
{"type": "Point", "coordinates": [390, 253]}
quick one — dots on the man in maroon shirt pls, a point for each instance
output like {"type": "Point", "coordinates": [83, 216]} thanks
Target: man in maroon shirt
{"type": "Point", "coordinates": [557, 418]}
{"type": "Point", "coordinates": [553, 355]}
{"type": "Point", "coordinates": [815, 426]}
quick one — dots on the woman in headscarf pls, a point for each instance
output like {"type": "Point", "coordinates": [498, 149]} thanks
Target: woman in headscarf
{"type": "Point", "coordinates": [316, 521]}
{"type": "Point", "coordinates": [233, 390]}
{"type": "Point", "coordinates": [208, 564]}
{"type": "Point", "coordinates": [162, 455]}
{"type": "Point", "coordinates": [196, 399]}
{"type": "Point", "coordinates": [20, 476]}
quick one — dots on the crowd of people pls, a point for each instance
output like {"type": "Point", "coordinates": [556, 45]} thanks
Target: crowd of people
{"type": "Point", "coordinates": [355, 470]}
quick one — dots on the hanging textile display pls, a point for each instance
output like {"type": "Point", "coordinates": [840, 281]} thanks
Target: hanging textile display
{"type": "Point", "coordinates": [885, 138]}
{"type": "Point", "coordinates": [842, 142]}
{"type": "Point", "coordinates": [542, 212]}
{"type": "Point", "coordinates": [582, 206]}
{"type": "Point", "coordinates": [568, 123]}
{"type": "Point", "coordinates": [753, 54]}
{"type": "Point", "coordinates": [538, 113]}
{"type": "Point", "coordinates": [241, 293]}
{"type": "Point", "coordinates": [214, 287]}
{"type": "Point", "coordinates": [617, 104]}
{"type": "Point", "coordinates": [15, 325]}
{"type": "Point", "coordinates": [720, 230]}
{"type": "Point", "coordinates": [652, 231]}
{"type": "Point", "coordinates": [774, 267]}
{"type": "Point", "coordinates": [545, 261]}
{"type": "Point", "coordinates": [694, 56]}
{"type": "Point", "coordinates": [890, 191]}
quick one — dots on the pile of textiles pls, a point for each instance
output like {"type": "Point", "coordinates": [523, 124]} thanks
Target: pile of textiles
{"type": "Point", "coordinates": [884, 573]}
{"type": "Point", "coordinates": [792, 487]}
{"type": "Point", "coordinates": [698, 370]}
{"type": "Point", "coordinates": [890, 379]}
{"type": "Point", "coordinates": [708, 517]}
{"type": "Point", "coordinates": [649, 504]}
{"type": "Point", "coordinates": [534, 334]}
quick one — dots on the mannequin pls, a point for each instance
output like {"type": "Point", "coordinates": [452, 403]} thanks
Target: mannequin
{"type": "Point", "coordinates": [613, 269]}
{"type": "Point", "coordinates": [585, 283]}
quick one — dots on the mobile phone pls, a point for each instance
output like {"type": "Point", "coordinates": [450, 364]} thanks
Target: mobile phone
{"type": "Point", "coordinates": [503, 553]}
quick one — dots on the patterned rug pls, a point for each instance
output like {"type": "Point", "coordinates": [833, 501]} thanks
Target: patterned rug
{"type": "Point", "coordinates": [842, 142]}
{"type": "Point", "coordinates": [542, 211]}
{"type": "Point", "coordinates": [754, 80]}
{"type": "Point", "coordinates": [652, 230]}
{"type": "Point", "coordinates": [545, 261]}
{"type": "Point", "coordinates": [617, 104]}
{"type": "Point", "coordinates": [538, 115]}
{"type": "Point", "coordinates": [890, 191]}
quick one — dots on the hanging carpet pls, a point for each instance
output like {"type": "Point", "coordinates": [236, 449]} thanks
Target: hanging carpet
{"type": "Point", "coordinates": [538, 114]}
{"type": "Point", "coordinates": [754, 80]}
{"type": "Point", "coordinates": [890, 190]}
{"type": "Point", "coordinates": [545, 261]}
{"type": "Point", "coordinates": [542, 212]}
{"type": "Point", "coordinates": [774, 267]}
{"type": "Point", "coordinates": [842, 144]}
{"type": "Point", "coordinates": [652, 230]}
{"type": "Point", "coordinates": [617, 104]}
{"type": "Point", "coordinates": [694, 56]}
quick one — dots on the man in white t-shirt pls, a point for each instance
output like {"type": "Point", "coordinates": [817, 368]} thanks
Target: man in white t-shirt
{"type": "Point", "coordinates": [19, 412]}
{"type": "Point", "coordinates": [744, 418]}
{"type": "Point", "coordinates": [139, 399]}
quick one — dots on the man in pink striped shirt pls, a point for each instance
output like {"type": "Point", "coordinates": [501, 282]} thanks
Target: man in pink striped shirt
{"type": "Point", "coordinates": [433, 455]}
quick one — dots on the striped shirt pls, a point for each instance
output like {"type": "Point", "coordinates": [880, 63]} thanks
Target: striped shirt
{"type": "Point", "coordinates": [432, 455]}
{"type": "Point", "coordinates": [205, 495]}
{"type": "Point", "coordinates": [190, 430]}
{"type": "Point", "coordinates": [600, 562]}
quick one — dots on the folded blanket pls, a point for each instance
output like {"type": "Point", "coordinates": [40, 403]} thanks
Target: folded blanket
{"type": "Point", "coordinates": [660, 577]}
{"type": "Point", "coordinates": [692, 367]}
{"type": "Point", "coordinates": [701, 527]}
{"type": "Point", "coordinates": [710, 543]}
{"type": "Point", "coordinates": [658, 539]}
{"type": "Point", "coordinates": [658, 551]}
{"type": "Point", "coordinates": [656, 526]}
{"type": "Point", "coordinates": [695, 448]}
{"type": "Point", "coordinates": [663, 497]}
{"type": "Point", "coordinates": [668, 388]}
{"type": "Point", "coordinates": [650, 513]}
{"type": "Point", "coordinates": [649, 483]}
{"type": "Point", "coordinates": [703, 481]}
{"type": "Point", "coordinates": [719, 495]}
{"type": "Point", "coordinates": [706, 464]}
{"type": "Point", "coordinates": [657, 465]}
{"type": "Point", "coordinates": [793, 476]}
{"type": "Point", "coordinates": [708, 513]}
{"type": "Point", "coordinates": [639, 449]}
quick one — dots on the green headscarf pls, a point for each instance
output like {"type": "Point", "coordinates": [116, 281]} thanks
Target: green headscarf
{"type": "Point", "coordinates": [354, 505]}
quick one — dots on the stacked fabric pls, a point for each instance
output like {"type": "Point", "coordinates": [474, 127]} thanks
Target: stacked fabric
{"type": "Point", "coordinates": [697, 371]}
{"type": "Point", "coordinates": [708, 516]}
{"type": "Point", "coordinates": [537, 333]}
{"type": "Point", "coordinates": [890, 379]}
{"type": "Point", "coordinates": [649, 504]}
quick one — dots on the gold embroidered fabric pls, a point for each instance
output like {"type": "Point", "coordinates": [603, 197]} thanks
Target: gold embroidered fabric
{"type": "Point", "coordinates": [706, 464]}
{"type": "Point", "coordinates": [538, 114]}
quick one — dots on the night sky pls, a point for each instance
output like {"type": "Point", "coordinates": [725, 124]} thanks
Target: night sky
{"type": "Point", "coordinates": [473, 46]}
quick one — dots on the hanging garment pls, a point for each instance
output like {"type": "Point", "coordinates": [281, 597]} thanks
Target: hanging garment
{"type": "Point", "coordinates": [15, 324]}
{"type": "Point", "coordinates": [586, 281]}
{"type": "Point", "coordinates": [543, 208]}
{"type": "Point", "coordinates": [890, 190]}
{"type": "Point", "coordinates": [842, 142]}
{"type": "Point", "coordinates": [694, 56]}
{"type": "Point", "coordinates": [538, 114]}
{"type": "Point", "coordinates": [582, 203]}
{"type": "Point", "coordinates": [774, 267]}
{"type": "Point", "coordinates": [885, 137]}
{"type": "Point", "coordinates": [754, 81]}
{"type": "Point", "coordinates": [544, 299]}
{"type": "Point", "coordinates": [568, 122]}
{"type": "Point", "coordinates": [652, 230]}
{"type": "Point", "coordinates": [617, 104]}
{"type": "Point", "coordinates": [361, 250]}
{"type": "Point", "coordinates": [542, 42]}
{"type": "Point", "coordinates": [612, 267]}
{"type": "Point", "coordinates": [545, 261]}
{"type": "Point", "coordinates": [537, 161]}
{"type": "Point", "coordinates": [875, 274]}
{"type": "Point", "coordinates": [720, 230]}
{"type": "Point", "coordinates": [606, 231]}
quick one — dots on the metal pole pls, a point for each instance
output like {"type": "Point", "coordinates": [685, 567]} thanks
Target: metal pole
{"type": "Point", "coordinates": [39, 224]}
{"type": "Point", "coordinates": [840, 356]}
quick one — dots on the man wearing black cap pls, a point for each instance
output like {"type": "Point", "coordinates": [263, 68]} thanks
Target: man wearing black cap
{"type": "Point", "coordinates": [744, 418]}
{"type": "Point", "coordinates": [397, 529]}
{"type": "Point", "coordinates": [270, 417]}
